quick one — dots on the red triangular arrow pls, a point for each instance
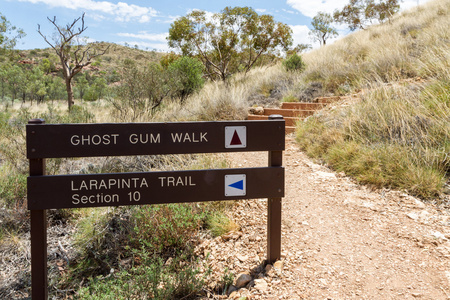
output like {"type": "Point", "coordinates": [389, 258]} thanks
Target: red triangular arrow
{"type": "Point", "coordinates": [235, 140]}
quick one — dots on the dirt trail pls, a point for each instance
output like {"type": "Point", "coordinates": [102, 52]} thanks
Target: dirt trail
{"type": "Point", "coordinates": [339, 240]}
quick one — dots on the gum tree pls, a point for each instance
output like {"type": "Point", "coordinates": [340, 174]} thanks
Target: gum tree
{"type": "Point", "coordinates": [322, 28]}
{"type": "Point", "coordinates": [231, 40]}
{"type": "Point", "coordinates": [9, 34]}
{"type": "Point", "coordinates": [357, 14]}
{"type": "Point", "coordinates": [74, 55]}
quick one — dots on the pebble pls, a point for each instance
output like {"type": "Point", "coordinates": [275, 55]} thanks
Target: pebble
{"type": "Point", "coordinates": [261, 284]}
{"type": "Point", "coordinates": [243, 280]}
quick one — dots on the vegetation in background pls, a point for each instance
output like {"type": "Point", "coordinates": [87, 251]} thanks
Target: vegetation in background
{"type": "Point", "coordinates": [143, 89]}
{"type": "Point", "coordinates": [188, 72]}
{"type": "Point", "coordinates": [358, 14]}
{"type": "Point", "coordinates": [67, 44]}
{"type": "Point", "coordinates": [231, 41]}
{"type": "Point", "coordinates": [397, 136]}
{"type": "Point", "coordinates": [322, 28]}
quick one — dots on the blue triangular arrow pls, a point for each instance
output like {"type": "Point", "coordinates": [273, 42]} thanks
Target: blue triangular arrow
{"type": "Point", "coordinates": [238, 185]}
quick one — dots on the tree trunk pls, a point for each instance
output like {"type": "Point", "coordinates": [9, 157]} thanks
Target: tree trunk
{"type": "Point", "coordinates": [69, 93]}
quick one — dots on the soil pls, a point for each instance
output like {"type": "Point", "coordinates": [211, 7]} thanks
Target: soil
{"type": "Point", "coordinates": [340, 240]}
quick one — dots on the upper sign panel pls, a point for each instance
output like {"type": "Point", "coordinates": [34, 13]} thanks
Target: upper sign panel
{"type": "Point", "coordinates": [87, 140]}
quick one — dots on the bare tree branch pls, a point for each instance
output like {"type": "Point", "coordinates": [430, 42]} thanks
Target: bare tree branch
{"type": "Point", "coordinates": [63, 45]}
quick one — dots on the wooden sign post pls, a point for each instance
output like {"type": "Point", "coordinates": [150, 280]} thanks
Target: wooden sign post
{"type": "Point", "coordinates": [117, 189]}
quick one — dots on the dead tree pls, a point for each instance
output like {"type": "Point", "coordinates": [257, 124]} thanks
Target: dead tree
{"type": "Point", "coordinates": [74, 56]}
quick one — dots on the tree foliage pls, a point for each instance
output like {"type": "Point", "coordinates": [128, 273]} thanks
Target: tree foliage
{"type": "Point", "coordinates": [73, 55]}
{"type": "Point", "coordinates": [357, 14]}
{"type": "Point", "coordinates": [9, 34]}
{"type": "Point", "coordinates": [229, 41]}
{"type": "Point", "coordinates": [188, 72]}
{"type": "Point", "coordinates": [322, 28]}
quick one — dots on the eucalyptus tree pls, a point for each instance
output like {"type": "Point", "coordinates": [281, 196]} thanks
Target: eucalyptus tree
{"type": "Point", "coordinates": [221, 41]}
{"type": "Point", "coordinates": [9, 34]}
{"type": "Point", "coordinates": [357, 14]}
{"type": "Point", "coordinates": [322, 28]}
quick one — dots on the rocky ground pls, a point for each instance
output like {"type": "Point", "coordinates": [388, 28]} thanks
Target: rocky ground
{"type": "Point", "coordinates": [340, 240]}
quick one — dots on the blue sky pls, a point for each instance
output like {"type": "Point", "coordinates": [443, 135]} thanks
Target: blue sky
{"type": "Point", "coordinates": [146, 23]}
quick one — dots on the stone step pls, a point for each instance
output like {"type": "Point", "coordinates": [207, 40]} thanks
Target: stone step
{"type": "Point", "coordinates": [302, 105]}
{"type": "Point", "coordinates": [289, 129]}
{"type": "Point", "coordinates": [289, 121]}
{"type": "Point", "coordinates": [326, 100]}
{"type": "Point", "coordinates": [288, 112]}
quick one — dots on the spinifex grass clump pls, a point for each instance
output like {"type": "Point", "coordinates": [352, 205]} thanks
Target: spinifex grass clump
{"type": "Point", "coordinates": [413, 43]}
{"type": "Point", "coordinates": [395, 137]}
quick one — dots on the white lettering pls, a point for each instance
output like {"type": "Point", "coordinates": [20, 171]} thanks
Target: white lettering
{"type": "Point", "coordinates": [87, 140]}
{"type": "Point", "coordinates": [176, 138]}
{"type": "Point", "coordinates": [95, 199]}
{"type": "Point", "coordinates": [186, 137]}
{"type": "Point", "coordinates": [176, 181]}
{"type": "Point", "coordinates": [74, 140]}
{"type": "Point", "coordinates": [145, 138]}
{"type": "Point", "coordinates": [203, 136]}
{"type": "Point", "coordinates": [107, 184]}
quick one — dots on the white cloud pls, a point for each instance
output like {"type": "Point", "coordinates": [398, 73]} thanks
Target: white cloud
{"type": "Point", "coordinates": [300, 34]}
{"type": "Point", "coordinates": [261, 10]}
{"type": "Point", "coordinates": [121, 11]}
{"type": "Point", "coordinates": [311, 8]}
{"type": "Point", "coordinates": [407, 4]}
{"type": "Point", "coordinates": [289, 11]}
{"type": "Point", "coordinates": [143, 35]}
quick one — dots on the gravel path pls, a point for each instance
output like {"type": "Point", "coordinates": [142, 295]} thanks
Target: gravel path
{"type": "Point", "coordinates": [340, 240]}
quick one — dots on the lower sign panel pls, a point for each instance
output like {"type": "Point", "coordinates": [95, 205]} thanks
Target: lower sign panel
{"type": "Point", "coordinates": [73, 191]}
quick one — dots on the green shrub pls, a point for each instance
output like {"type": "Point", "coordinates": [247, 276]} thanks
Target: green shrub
{"type": "Point", "coordinates": [167, 228]}
{"type": "Point", "coordinates": [153, 278]}
{"type": "Point", "coordinates": [188, 73]}
{"type": "Point", "coordinates": [219, 224]}
{"type": "Point", "coordinates": [294, 63]}
{"type": "Point", "coordinates": [13, 189]}
{"type": "Point", "coordinates": [290, 98]}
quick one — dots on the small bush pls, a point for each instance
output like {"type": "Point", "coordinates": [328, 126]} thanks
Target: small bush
{"type": "Point", "coordinates": [219, 224]}
{"type": "Point", "coordinates": [153, 278]}
{"type": "Point", "coordinates": [188, 73]}
{"type": "Point", "coordinates": [290, 98]}
{"type": "Point", "coordinates": [167, 228]}
{"type": "Point", "coordinates": [13, 189]}
{"type": "Point", "coordinates": [294, 63]}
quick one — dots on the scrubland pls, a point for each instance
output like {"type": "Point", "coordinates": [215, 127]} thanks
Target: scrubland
{"type": "Point", "coordinates": [396, 134]}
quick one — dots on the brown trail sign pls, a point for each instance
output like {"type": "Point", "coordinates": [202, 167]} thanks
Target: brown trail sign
{"type": "Point", "coordinates": [95, 190]}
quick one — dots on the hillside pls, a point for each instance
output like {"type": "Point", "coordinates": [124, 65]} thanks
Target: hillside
{"type": "Point", "coordinates": [396, 131]}
{"type": "Point", "coordinates": [112, 60]}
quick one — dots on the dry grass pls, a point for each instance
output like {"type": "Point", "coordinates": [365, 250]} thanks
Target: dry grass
{"type": "Point", "coordinates": [415, 43]}
{"type": "Point", "coordinates": [225, 101]}
{"type": "Point", "coordinates": [398, 134]}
